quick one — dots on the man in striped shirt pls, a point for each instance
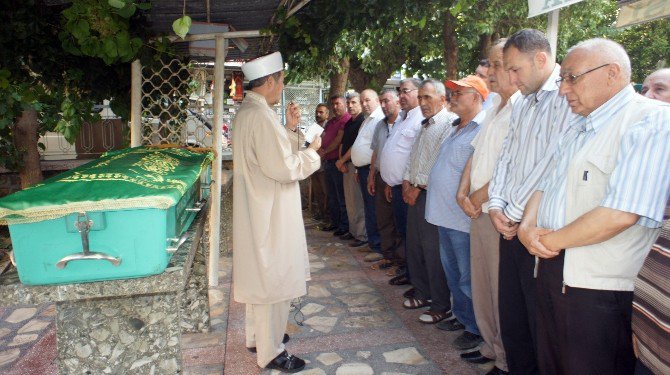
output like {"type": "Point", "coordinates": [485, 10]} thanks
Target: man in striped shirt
{"type": "Point", "coordinates": [597, 213]}
{"type": "Point", "coordinates": [536, 122]}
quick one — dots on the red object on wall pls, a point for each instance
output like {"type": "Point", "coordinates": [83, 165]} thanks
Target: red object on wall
{"type": "Point", "coordinates": [238, 77]}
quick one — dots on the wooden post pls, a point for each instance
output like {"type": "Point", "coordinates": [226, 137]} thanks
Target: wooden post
{"type": "Point", "coordinates": [552, 31]}
{"type": "Point", "coordinates": [136, 104]}
{"type": "Point", "coordinates": [215, 209]}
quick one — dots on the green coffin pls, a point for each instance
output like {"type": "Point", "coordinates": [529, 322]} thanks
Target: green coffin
{"type": "Point", "coordinates": [128, 209]}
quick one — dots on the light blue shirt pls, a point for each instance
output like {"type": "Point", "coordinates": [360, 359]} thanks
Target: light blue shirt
{"type": "Point", "coordinates": [640, 180]}
{"type": "Point", "coordinates": [445, 176]}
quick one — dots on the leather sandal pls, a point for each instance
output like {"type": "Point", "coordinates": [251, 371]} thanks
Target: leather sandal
{"type": "Point", "coordinates": [432, 317]}
{"type": "Point", "coordinates": [415, 303]}
{"type": "Point", "coordinates": [399, 280]}
{"type": "Point", "coordinates": [286, 363]}
{"type": "Point", "coordinates": [381, 265]}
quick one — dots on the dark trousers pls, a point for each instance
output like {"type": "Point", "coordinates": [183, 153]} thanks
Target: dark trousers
{"type": "Point", "coordinates": [336, 204]}
{"type": "Point", "coordinates": [320, 195]}
{"type": "Point", "coordinates": [369, 207]}
{"type": "Point", "coordinates": [392, 245]}
{"type": "Point", "coordinates": [581, 331]}
{"type": "Point", "coordinates": [399, 211]}
{"type": "Point", "coordinates": [423, 257]}
{"type": "Point", "coordinates": [517, 296]}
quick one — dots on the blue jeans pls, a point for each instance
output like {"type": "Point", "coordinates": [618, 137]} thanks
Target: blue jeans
{"type": "Point", "coordinates": [455, 257]}
{"type": "Point", "coordinates": [369, 206]}
{"type": "Point", "coordinates": [336, 204]}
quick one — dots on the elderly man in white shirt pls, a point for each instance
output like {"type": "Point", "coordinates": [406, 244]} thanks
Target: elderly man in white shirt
{"type": "Point", "coordinates": [361, 157]}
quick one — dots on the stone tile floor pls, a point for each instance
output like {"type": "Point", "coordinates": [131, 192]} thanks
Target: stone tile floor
{"type": "Point", "coordinates": [351, 322]}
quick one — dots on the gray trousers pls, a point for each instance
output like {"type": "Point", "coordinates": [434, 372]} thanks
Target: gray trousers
{"type": "Point", "coordinates": [423, 258]}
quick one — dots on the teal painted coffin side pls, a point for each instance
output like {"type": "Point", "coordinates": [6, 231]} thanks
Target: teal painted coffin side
{"type": "Point", "coordinates": [138, 237]}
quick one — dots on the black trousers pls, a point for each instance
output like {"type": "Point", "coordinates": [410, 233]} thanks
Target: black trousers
{"type": "Point", "coordinates": [582, 331]}
{"type": "Point", "coordinates": [392, 245]}
{"type": "Point", "coordinates": [517, 306]}
{"type": "Point", "coordinates": [423, 258]}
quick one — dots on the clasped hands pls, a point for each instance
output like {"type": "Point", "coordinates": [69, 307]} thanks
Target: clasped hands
{"type": "Point", "coordinates": [535, 240]}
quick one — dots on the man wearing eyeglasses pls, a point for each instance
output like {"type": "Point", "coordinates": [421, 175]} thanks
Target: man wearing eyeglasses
{"type": "Point", "coordinates": [595, 216]}
{"type": "Point", "coordinates": [536, 122]}
{"type": "Point", "coordinates": [394, 156]}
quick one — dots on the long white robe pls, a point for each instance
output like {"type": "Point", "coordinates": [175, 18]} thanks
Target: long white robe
{"type": "Point", "coordinates": [270, 262]}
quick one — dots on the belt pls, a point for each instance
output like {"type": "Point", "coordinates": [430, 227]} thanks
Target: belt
{"type": "Point", "coordinates": [364, 167]}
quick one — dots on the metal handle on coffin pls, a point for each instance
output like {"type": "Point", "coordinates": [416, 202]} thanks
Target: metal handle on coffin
{"type": "Point", "coordinates": [197, 207]}
{"type": "Point", "coordinates": [83, 225]}
{"type": "Point", "coordinates": [179, 241]}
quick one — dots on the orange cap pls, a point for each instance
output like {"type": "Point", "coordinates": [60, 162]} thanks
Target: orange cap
{"type": "Point", "coordinates": [469, 81]}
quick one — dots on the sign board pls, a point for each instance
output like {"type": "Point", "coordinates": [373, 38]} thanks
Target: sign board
{"type": "Point", "coordinates": [633, 13]}
{"type": "Point", "coordinates": [537, 7]}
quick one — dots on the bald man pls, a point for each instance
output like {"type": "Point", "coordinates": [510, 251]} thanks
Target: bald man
{"type": "Point", "coordinates": [596, 214]}
{"type": "Point", "coordinates": [657, 85]}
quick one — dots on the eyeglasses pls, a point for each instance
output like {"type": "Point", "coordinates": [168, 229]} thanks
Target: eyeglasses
{"type": "Point", "coordinates": [405, 91]}
{"type": "Point", "coordinates": [459, 93]}
{"type": "Point", "coordinates": [571, 78]}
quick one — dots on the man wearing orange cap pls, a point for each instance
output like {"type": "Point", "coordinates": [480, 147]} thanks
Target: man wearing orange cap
{"type": "Point", "coordinates": [442, 210]}
{"type": "Point", "coordinates": [270, 259]}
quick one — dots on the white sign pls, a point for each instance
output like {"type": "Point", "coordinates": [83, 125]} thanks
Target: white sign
{"type": "Point", "coordinates": [642, 11]}
{"type": "Point", "coordinates": [537, 7]}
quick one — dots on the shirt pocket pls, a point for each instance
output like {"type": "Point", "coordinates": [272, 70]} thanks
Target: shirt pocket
{"type": "Point", "coordinates": [592, 184]}
{"type": "Point", "coordinates": [407, 137]}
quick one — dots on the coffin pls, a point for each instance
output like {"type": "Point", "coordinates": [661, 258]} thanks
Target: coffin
{"type": "Point", "coordinates": [121, 216]}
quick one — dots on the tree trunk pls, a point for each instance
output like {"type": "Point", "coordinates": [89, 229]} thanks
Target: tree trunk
{"type": "Point", "coordinates": [450, 46]}
{"type": "Point", "coordinates": [338, 81]}
{"type": "Point", "coordinates": [362, 80]}
{"type": "Point", "coordinates": [484, 45]}
{"type": "Point", "coordinates": [25, 139]}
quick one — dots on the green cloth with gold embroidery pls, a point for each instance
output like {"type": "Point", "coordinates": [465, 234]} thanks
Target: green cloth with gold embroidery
{"type": "Point", "coordinates": [131, 178]}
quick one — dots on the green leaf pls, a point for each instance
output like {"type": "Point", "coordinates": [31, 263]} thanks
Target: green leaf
{"type": "Point", "coordinates": [118, 4]}
{"type": "Point", "coordinates": [127, 11]}
{"type": "Point", "coordinates": [143, 6]}
{"type": "Point", "coordinates": [181, 26]}
{"type": "Point", "coordinates": [109, 46]}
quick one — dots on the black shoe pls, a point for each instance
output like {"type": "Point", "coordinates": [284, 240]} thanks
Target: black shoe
{"type": "Point", "coordinates": [286, 363]}
{"type": "Point", "coordinates": [467, 340]}
{"type": "Point", "coordinates": [358, 243]}
{"type": "Point", "coordinates": [409, 293]}
{"type": "Point", "coordinates": [475, 357]}
{"type": "Point", "coordinates": [328, 228]}
{"type": "Point", "coordinates": [399, 280]}
{"type": "Point", "coordinates": [450, 325]}
{"type": "Point", "coordinates": [347, 236]}
{"type": "Point", "coordinates": [497, 371]}
{"type": "Point", "coordinates": [339, 232]}
{"type": "Point", "coordinates": [283, 341]}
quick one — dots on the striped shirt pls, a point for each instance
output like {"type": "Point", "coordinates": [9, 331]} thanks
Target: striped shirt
{"type": "Point", "coordinates": [427, 146]}
{"type": "Point", "coordinates": [537, 121]}
{"type": "Point", "coordinates": [651, 304]}
{"type": "Point", "coordinates": [641, 176]}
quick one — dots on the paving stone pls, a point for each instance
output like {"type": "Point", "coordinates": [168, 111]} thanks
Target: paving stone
{"type": "Point", "coordinates": [369, 321]}
{"type": "Point", "coordinates": [363, 354]}
{"type": "Point", "coordinates": [312, 308]}
{"type": "Point", "coordinates": [215, 296]}
{"type": "Point", "coordinates": [335, 310]}
{"type": "Point", "coordinates": [359, 299]}
{"type": "Point", "coordinates": [49, 312]}
{"type": "Point", "coordinates": [328, 358]}
{"type": "Point", "coordinates": [322, 323]}
{"type": "Point", "coordinates": [315, 266]}
{"type": "Point", "coordinates": [34, 325]}
{"type": "Point", "coordinates": [4, 332]}
{"type": "Point", "coordinates": [358, 288]}
{"type": "Point", "coordinates": [408, 356]}
{"type": "Point", "coordinates": [9, 356]}
{"type": "Point", "coordinates": [354, 369]}
{"type": "Point", "coordinates": [20, 315]}
{"type": "Point", "coordinates": [394, 373]}
{"type": "Point", "coordinates": [23, 339]}
{"type": "Point", "coordinates": [317, 291]}
{"type": "Point", "coordinates": [368, 309]}
{"type": "Point", "coordinates": [312, 371]}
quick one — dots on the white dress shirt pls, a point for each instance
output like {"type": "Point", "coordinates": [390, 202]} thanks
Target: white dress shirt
{"type": "Point", "coordinates": [361, 153]}
{"type": "Point", "coordinates": [395, 153]}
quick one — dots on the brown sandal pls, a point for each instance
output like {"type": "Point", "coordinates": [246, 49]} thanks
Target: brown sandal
{"type": "Point", "coordinates": [415, 303]}
{"type": "Point", "coordinates": [432, 317]}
